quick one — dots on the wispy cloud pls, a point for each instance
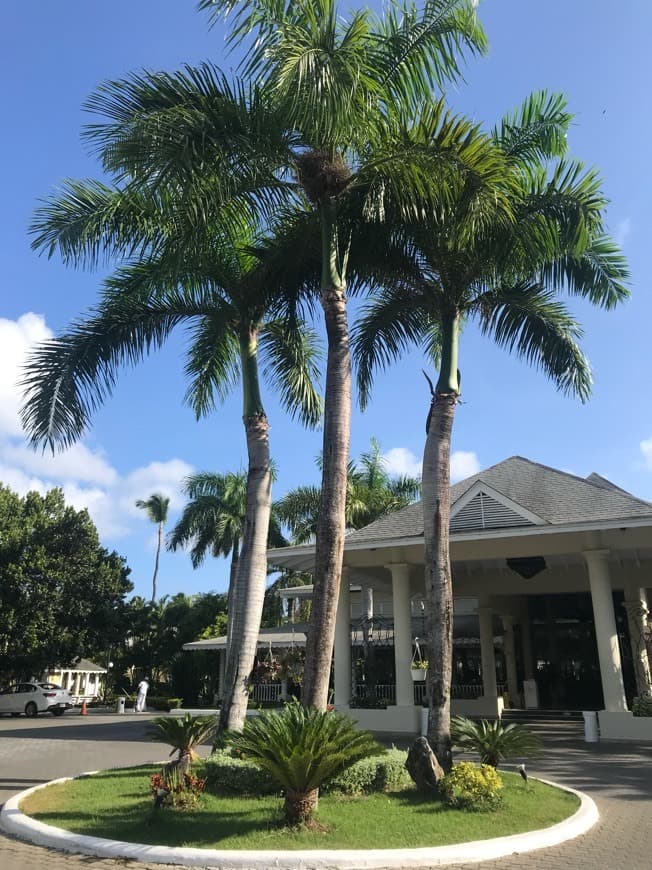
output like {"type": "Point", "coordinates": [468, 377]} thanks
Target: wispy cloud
{"type": "Point", "coordinates": [646, 450]}
{"type": "Point", "coordinates": [402, 461]}
{"type": "Point", "coordinates": [85, 474]}
{"type": "Point", "coordinates": [623, 230]}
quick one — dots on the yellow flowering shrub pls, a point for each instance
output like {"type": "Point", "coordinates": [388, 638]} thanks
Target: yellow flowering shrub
{"type": "Point", "coordinates": [472, 788]}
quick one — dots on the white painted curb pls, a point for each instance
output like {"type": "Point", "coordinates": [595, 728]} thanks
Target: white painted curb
{"type": "Point", "coordinates": [13, 821]}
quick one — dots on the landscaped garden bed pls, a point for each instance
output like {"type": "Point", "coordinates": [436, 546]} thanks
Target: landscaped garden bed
{"type": "Point", "coordinates": [118, 805]}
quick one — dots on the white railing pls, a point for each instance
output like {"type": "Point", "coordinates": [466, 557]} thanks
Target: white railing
{"type": "Point", "coordinates": [267, 692]}
{"type": "Point", "coordinates": [419, 693]}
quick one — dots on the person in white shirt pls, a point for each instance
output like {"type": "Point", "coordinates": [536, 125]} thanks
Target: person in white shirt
{"type": "Point", "coordinates": [143, 688]}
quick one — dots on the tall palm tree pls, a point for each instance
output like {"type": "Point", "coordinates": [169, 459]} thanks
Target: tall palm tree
{"type": "Point", "coordinates": [203, 275]}
{"type": "Point", "coordinates": [445, 270]}
{"type": "Point", "coordinates": [371, 493]}
{"type": "Point", "coordinates": [340, 124]}
{"type": "Point", "coordinates": [156, 507]}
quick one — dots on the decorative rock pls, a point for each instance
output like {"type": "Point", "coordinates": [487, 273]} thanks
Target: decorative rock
{"type": "Point", "coordinates": [423, 767]}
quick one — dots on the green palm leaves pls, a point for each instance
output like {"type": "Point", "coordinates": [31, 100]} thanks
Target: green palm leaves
{"type": "Point", "coordinates": [494, 741]}
{"type": "Point", "coordinates": [302, 749]}
{"type": "Point", "coordinates": [183, 734]}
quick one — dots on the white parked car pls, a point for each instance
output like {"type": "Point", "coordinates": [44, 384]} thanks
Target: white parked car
{"type": "Point", "coordinates": [34, 698]}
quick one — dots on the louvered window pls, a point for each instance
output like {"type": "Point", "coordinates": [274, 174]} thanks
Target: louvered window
{"type": "Point", "coordinates": [484, 512]}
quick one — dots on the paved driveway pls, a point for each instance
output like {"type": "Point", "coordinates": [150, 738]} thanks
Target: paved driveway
{"type": "Point", "coordinates": [617, 776]}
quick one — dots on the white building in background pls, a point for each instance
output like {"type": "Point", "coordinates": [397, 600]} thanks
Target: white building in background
{"type": "Point", "coordinates": [550, 578]}
{"type": "Point", "coordinates": [84, 680]}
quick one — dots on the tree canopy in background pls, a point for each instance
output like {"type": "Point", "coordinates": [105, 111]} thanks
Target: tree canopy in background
{"type": "Point", "coordinates": [62, 595]}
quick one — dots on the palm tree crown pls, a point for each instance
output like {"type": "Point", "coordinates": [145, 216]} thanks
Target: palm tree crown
{"type": "Point", "coordinates": [156, 507]}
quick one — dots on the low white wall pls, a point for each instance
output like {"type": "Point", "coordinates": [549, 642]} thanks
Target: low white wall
{"type": "Point", "coordinates": [624, 726]}
{"type": "Point", "coordinates": [393, 720]}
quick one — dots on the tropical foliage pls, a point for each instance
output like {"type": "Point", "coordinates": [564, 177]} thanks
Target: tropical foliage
{"type": "Point", "coordinates": [371, 492]}
{"type": "Point", "coordinates": [184, 735]}
{"type": "Point", "coordinates": [302, 749]}
{"type": "Point", "coordinates": [62, 595]}
{"type": "Point", "coordinates": [502, 263]}
{"type": "Point", "coordinates": [494, 741]}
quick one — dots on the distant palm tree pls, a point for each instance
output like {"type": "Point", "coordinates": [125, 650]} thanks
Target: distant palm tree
{"type": "Point", "coordinates": [156, 507]}
{"type": "Point", "coordinates": [213, 522]}
{"type": "Point", "coordinates": [371, 492]}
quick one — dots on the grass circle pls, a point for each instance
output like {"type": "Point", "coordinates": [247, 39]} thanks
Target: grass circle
{"type": "Point", "coordinates": [117, 805]}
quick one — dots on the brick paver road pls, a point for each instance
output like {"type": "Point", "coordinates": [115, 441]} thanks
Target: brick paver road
{"type": "Point", "coordinates": [617, 776]}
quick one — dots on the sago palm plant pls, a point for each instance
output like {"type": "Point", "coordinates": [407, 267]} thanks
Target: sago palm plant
{"type": "Point", "coordinates": [494, 741]}
{"type": "Point", "coordinates": [183, 735]}
{"type": "Point", "coordinates": [302, 749]}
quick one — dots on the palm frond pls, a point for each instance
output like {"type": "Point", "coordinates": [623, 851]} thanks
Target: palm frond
{"type": "Point", "coordinates": [213, 360]}
{"type": "Point", "coordinates": [528, 321]}
{"type": "Point", "coordinates": [537, 130]}
{"type": "Point", "coordinates": [393, 320]}
{"type": "Point", "coordinates": [292, 356]}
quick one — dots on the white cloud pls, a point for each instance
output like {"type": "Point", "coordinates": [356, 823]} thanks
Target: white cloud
{"type": "Point", "coordinates": [76, 463]}
{"type": "Point", "coordinates": [402, 461]}
{"type": "Point", "coordinates": [86, 476]}
{"type": "Point", "coordinates": [17, 337]}
{"type": "Point", "coordinates": [646, 450]}
{"type": "Point", "coordinates": [464, 463]}
{"type": "Point", "coordinates": [623, 230]}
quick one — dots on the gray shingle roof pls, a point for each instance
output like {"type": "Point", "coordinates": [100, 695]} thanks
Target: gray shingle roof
{"type": "Point", "coordinates": [556, 497]}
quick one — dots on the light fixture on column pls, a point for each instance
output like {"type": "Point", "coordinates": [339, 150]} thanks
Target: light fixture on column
{"type": "Point", "coordinates": [528, 566]}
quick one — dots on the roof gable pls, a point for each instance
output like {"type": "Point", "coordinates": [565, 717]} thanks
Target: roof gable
{"type": "Point", "coordinates": [483, 507]}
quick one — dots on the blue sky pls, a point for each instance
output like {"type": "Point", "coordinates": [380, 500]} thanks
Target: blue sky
{"type": "Point", "coordinates": [144, 440]}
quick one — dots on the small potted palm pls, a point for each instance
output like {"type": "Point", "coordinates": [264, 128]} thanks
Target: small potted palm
{"type": "Point", "coordinates": [494, 741]}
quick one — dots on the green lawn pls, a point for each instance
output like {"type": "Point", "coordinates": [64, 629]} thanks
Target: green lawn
{"type": "Point", "coordinates": [117, 804]}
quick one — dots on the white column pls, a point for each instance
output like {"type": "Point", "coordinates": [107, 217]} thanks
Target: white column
{"type": "Point", "coordinates": [637, 613]}
{"type": "Point", "coordinates": [606, 633]}
{"type": "Point", "coordinates": [402, 634]}
{"type": "Point", "coordinates": [342, 645]}
{"type": "Point", "coordinates": [487, 653]}
{"type": "Point", "coordinates": [509, 649]}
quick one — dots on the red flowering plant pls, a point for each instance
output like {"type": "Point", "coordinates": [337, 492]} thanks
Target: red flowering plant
{"type": "Point", "coordinates": [172, 788]}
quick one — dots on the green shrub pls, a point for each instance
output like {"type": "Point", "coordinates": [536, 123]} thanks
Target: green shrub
{"type": "Point", "coordinates": [642, 706]}
{"type": "Point", "coordinates": [494, 741]}
{"type": "Point", "coordinates": [227, 773]}
{"type": "Point", "coordinates": [184, 735]}
{"type": "Point", "coordinates": [472, 788]}
{"type": "Point", "coordinates": [303, 749]}
{"type": "Point", "coordinates": [375, 774]}
{"type": "Point", "coordinates": [368, 704]}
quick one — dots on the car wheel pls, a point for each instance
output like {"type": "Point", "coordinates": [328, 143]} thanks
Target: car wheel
{"type": "Point", "coordinates": [31, 710]}
{"type": "Point", "coordinates": [58, 712]}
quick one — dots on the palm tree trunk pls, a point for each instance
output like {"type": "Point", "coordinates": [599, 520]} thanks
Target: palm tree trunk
{"type": "Point", "coordinates": [300, 805]}
{"type": "Point", "coordinates": [331, 524]}
{"type": "Point", "coordinates": [251, 571]}
{"type": "Point", "coordinates": [158, 555]}
{"type": "Point", "coordinates": [436, 518]}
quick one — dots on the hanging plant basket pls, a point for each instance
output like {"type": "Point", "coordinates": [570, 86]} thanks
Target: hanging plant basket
{"type": "Point", "coordinates": [419, 674]}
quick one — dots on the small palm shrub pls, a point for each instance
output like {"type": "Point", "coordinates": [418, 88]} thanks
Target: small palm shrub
{"type": "Point", "coordinates": [303, 749]}
{"type": "Point", "coordinates": [472, 788]}
{"type": "Point", "coordinates": [494, 741]}
{"type": "Point", "coordinates": [183, 735]}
